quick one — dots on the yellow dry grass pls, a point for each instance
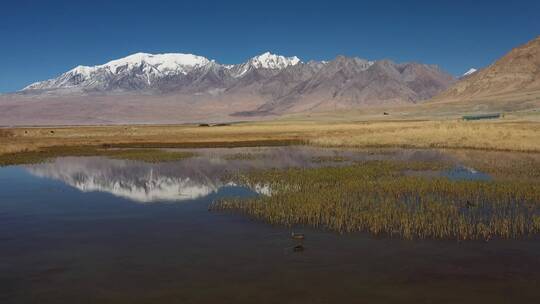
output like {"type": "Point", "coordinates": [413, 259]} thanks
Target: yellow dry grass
{"type": "Point", "coordinates": [490, 135]}
{"type": "Point", "coordinates": [515, 136]}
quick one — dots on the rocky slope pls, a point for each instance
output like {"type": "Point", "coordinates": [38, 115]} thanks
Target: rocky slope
{"type": "Point", "coordinates": [517, 71]}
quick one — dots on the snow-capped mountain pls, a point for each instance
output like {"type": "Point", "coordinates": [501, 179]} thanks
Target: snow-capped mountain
{"type": "Point", "coordinates": [146, 71]}
{"type": "Point", "coordinates": [139, 70]}
{"type": "Point", "coordinates": [183, 87]}
{"type": "Point", "coordinates": [266, 74]}
{"type": "Point", "coordinates": [264, 61]}
{"type": "Point", "coordinates": [270, 61]}
{"type": "Point", "coordinates": [469, 72]}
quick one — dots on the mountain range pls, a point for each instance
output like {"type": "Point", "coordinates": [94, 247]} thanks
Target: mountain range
{"type": "Point", "coordinates": [282, 81]}
{"type": "Point", "coordinates": [170, 88]}
{"type": "Point", "coordinates": [179, 88]}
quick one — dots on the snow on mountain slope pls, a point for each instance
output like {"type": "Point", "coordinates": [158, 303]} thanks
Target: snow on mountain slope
{"type": "Point", "coordinates": [149, 67]}
{"type": "Point", "coordinates": [164, 63]}
{"type": "Point", "coordinates": [142, 71]}
{"type": "Point", "coordinates": [271, 61]}
{"type": "Point", "coordinates": [469, 72]}
{"type": "Point", "coordinates": [264, 61]}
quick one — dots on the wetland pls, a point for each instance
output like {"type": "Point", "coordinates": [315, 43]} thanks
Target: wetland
{"type": "Point", "coordinates": [207, 225]}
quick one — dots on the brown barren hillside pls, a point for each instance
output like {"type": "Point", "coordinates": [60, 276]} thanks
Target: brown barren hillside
{"type": "Point", "coordinates": [517, 71]}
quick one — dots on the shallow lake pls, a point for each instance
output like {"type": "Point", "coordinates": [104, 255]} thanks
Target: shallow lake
{"type": "Point", "coordinates": [97, 230]}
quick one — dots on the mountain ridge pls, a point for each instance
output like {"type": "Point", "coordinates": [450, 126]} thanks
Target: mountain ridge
{"type": "Point", "coordinates": [168, 88]}
{"type": "Point", "coordinates": [516, 71]}
{"type": "Point", "coordinates": [152, 67]}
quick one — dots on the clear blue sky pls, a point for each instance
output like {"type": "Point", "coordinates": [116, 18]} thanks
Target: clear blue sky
{"type": "Point", "coordinates": [42, 39]}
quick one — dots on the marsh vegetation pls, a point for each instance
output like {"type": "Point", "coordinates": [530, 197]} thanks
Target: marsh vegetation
{"type": "Point", "coordinates": [377, 197]}
{"type": "Point", "coordinates": [145, 155]}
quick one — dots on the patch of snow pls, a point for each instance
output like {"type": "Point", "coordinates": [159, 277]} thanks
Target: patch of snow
{"type": "Point", "coordinates": [85, 71]}
{"type": "Point", "coordinates": [164, 63]}
{"type": "Point", "coordinates": [469, 72]}
{"type": "Point", "coordinates": [268, 60]}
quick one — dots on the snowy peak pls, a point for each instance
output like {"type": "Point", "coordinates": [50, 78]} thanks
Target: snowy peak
{"type": "Point", "coordinates": [271, 61]}
{"type": "Point", "coordinates": [143, 71]}
{"type": "Point", "coordinates": [154, 64]}
{"type": "Point", "coordinates": [164, 63]}
{"type": "Point", "coordinates": [81, 70]}
{"type": "Point", "coordinates": [148, 67]}
{"type": "Point", "coordinates": [469, 72]}
{"type": "Point", "coordinates": [267, 61]}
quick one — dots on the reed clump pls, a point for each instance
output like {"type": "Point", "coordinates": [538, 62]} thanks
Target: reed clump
{"type": "Point", "coordinates": [376, 197]}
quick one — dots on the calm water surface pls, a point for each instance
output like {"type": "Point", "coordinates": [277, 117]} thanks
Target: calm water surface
{"type": "Point", "coordinates": [95, 230]}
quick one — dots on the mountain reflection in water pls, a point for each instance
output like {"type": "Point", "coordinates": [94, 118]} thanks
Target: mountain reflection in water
{"type": "Point", "coordinates": [191, 178]}
{"type": "Point", "coordinates": [136, 181]}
